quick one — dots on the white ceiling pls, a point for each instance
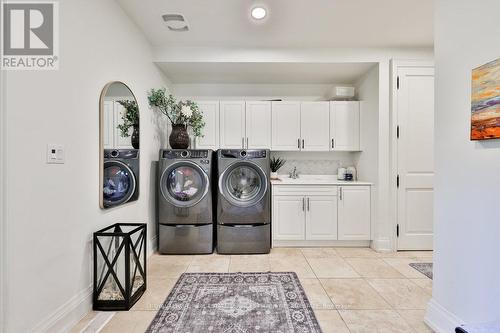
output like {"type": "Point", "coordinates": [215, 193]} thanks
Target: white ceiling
{"type": "Point", "coordinates": [290, 23]}
{"type": "Point", "coordinates": [265, 73]}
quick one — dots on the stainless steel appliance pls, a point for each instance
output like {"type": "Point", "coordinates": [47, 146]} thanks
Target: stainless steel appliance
{"type": "Point", "coordinates": [244, 201]}
{"type": "Point", "coordinates": [186, 220]}
{"type": "Point", "coordinates": [120, 176]}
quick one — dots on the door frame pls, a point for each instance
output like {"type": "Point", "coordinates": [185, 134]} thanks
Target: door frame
{"type": "Point", "coordinates": [3, 204]}
{"type": "Point", "coordinates": [393, 149]}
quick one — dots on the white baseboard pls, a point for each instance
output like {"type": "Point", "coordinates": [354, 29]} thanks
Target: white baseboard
{"type": "Point", "coordinates": [320, 243]}
{"type": "Point", "coordinates": [382, 245]}
{"type": "Point", "coordinates": [68, 314]}
{"type": "Point", "coordinates": [440, 319]}
{"type": "Point", "coordinates": [71, 312]}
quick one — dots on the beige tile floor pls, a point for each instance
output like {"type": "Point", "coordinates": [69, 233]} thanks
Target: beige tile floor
{"type": "Point", "coordinates": [351, 289]}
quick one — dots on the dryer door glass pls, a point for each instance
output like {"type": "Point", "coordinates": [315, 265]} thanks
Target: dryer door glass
{"type": "Point", "coordinates": [184, 184]}
{"type": "Point", "coordinates": [244, 184]}
{"type": "Point", "coordinates": [118, 183]}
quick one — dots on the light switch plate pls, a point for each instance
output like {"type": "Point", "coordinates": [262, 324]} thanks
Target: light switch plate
{"type": "Point", "coordinates": [55, 154]}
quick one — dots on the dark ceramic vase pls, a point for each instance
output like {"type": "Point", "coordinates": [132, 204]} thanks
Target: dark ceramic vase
{"type": "Point", "coordinates": [135, 137]}
{"type": "Point", "coordinates": [179, 138]}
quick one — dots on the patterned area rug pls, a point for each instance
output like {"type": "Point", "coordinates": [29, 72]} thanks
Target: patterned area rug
{"type": "Point", "coordinates": [423, 267]}
{"type": "Point", "coordinates": [236, 303]}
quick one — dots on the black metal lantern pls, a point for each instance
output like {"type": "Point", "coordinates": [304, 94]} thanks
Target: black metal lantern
{"type": "Point", "coordinates": [119, 266]}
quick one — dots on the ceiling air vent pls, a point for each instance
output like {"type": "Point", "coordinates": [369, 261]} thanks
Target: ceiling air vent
{"type": "Point", "coordinates": [175, 22]}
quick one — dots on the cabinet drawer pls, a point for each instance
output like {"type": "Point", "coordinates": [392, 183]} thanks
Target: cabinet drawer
{"type": "Point", "coordinates": [304, 190]}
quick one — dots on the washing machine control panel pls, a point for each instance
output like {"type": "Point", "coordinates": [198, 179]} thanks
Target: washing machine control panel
{"type": "Point", "coordinates": [238, 153]}
{"type": "Point", "coordinates": [187, 153]}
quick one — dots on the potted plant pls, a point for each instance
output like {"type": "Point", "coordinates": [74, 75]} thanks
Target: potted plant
{"type": "Point", "coordinates": [130, 118]}
{"type": "Point", "coordinates": [181, 114]}
{"type": "Point", "coordinates": [276, 163]}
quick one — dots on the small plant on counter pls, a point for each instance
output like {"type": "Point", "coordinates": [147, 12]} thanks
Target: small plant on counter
{"type": "Point", "coordinates": [130, 117]}
{"type": "Point", "coordinates": [276, 163]}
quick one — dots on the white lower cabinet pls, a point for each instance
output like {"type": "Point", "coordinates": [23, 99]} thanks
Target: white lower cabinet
{"type": "Point", "coordinates": [321, 217]}
{"type": "Point", "coordinates": [321, 213]}
{"type": "Point", "coordinates": [354, 213]}
{"type": "Point", "coordinates": [289, 217]}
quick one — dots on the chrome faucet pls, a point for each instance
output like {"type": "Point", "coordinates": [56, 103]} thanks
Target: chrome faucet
{"type": "Point", "coordinates": [294, 174]}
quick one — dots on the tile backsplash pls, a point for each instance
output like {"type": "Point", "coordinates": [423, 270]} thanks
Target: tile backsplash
{"type": "Point", "coordinates": [312, 163]}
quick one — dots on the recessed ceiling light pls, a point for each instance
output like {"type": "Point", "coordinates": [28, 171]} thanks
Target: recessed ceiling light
{"type": "Point", "coordinates": [259, 13]}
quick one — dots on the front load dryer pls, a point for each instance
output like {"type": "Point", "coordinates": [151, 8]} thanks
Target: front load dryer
{"type": "Point", "coordinates": [244, 201]}
{"type": "Point", "coordinates": [120, 176]}
{"type": "Point", "coordinates": [185, 202]}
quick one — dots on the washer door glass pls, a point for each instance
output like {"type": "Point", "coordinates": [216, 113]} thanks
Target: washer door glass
{"type": "Point", "coordinates": [184, 184]}
{"type": "Point", "coordinates": [243, 184]}
{"type": "Point", "coordinates": [118, 183]}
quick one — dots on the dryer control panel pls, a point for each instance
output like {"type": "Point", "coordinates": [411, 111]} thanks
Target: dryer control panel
{"type": "Point", "coordinates": [245, 154]}
{"type": "Point", "coordinates": [185, 153]}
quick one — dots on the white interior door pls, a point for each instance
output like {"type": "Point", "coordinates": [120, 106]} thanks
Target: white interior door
{"type": "Point", "coordinates": [210, 138]}
{"type": "Point", "coordinates": [415, 160]}
{"type": "Point", "coordinates": [289, 217]}
{"type": "Point", "coordinates": [232, 124]}
{"type": "Point", "coordinates": [285, 126]}
{"type": "Point", "coordinates": [344, 126]}
{"type": "Point", "coordinates": [258, 125]}
{"type": "Point", "coordinates": [321, 217]}
{"type": "Point", "coordinates": [315, 128]}
{"type": "Point", "coordinates": [354, 213]}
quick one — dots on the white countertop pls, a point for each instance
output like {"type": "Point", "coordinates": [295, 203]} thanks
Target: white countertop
{"type": "Point", "coordinates": [315, 180]}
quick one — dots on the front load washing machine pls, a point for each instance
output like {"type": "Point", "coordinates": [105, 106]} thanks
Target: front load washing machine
{"type": "Point", "coordinates": [185, 202]}
{"type": "Point", "coordinates": [244, 201]}
{"type": "Point", "coordinates": [120, 176]}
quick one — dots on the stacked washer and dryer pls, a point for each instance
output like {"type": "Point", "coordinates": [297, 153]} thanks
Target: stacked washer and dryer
{"type": "Point", "coordinates": [209, 199]}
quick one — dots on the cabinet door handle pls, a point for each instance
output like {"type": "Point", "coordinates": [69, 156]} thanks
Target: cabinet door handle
{"type": "Point", "coordinates": [298, 143]}
{"type": "Point", "coordinates": [341, 193]}
{"type": "Point", "coordinates": [303, 204]}
{"type": "Point", "coordinates": [333, 143]}
{"type": "Point", "coordinates": [308, 204]}
{"type": "Point", "coordinates": [247, 142]}
{"type": "Point", "coordinates": [303, 143]}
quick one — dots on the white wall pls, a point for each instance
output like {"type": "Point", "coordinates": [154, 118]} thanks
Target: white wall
{"type": "Point", "coordinates": [467, 186]}
{"type": "Point", "coordinates": [52, 210]}
{"type": "Point", "coordinates": [367, 161]}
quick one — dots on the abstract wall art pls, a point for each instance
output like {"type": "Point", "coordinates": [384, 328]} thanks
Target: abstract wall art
{"type": "Point", "coordinates": [485, 119]}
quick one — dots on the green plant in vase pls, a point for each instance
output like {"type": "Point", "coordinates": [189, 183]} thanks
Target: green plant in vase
{"type": "Point", "coordinates": [130, 118]}
{"type": "Point", "coordinates": [275, 164]}
{"type": "Point", "coordinates": [182, 114]}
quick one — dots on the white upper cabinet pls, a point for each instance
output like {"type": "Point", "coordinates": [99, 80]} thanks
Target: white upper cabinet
{"type": "Point", "coordinates": [210, 138]}
{"type": "Point", "coordinates": [354, 213]}
{"type": "Point", "coordinates": [286, 126]}
{"type": "Point", "coordinates": [315, 129]}
{"type": "Point", "coordinates": [108, 128]}
{"type": "Point", "coordinates": [344, 126]}
{"type": "Point", "coordinates": [258, 125]}
{"type": "Point", "coordinates": [232, 124]}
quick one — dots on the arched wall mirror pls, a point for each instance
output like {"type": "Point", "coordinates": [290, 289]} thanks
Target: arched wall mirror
{"type": "Point", "coordinates": [119, 146]}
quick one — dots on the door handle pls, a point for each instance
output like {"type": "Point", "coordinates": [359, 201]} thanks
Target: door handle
{"type": "Point", "coordinates": [303, 204]}
{"type": "Point", "coordinates": [298, 143]}
{"type": "Point", "coordinates": [247, 142]}
{"type": "Point", "coordinates": [308, 204]}
{"type": "Point", "coordinates": [303, 143]}
{"type": "Point", "coordinates": [333, 143]}
{"type": "Point", "coordinates": [341, 193]}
